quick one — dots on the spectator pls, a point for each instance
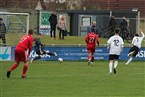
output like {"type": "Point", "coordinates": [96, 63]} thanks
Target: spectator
{"type": "Point", "coordinates": [123, 26]}
{"type": "Point", "coordinates": [93, 26]}
{"type": "Point", "coordinates": [53, 23]}
{"type": "Point", "coordinates": [111, 25]}
{"type": "Point", "coordinates": [62, 26]}
{"type": "Point", "coordinates": [2, 31]}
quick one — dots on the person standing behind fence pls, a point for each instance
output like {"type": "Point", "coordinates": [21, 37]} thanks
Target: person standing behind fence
{"type": "Point", "coordinates": [93, 26]}
{"type": "Point", "coordinates": [53, 22]}
{"type": "Point", "coordinates": [62, 27]}
{"type": "Point", "coordinates": [111, 25]}
{"type": "Point", "coordinates": [123, 26]}
{"type": "Point", "coordinates": [2, 31]}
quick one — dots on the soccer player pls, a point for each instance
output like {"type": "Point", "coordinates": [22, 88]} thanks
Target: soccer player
{"type": "Point", "coordinates": [22, 52]}
{"type": "Point", "coordinates": [136, 45]}
{"type": "Point", "coordinates": [91, 40]}
{"type": "Point", "coordinates": [39, 49]}
{"type": "Point", "coordinates": [115, 45]}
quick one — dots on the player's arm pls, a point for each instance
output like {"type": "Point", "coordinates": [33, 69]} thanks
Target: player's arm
{"type": "Point", "coordinates": [122, 45]}
{"type": "Point", "coordinates": [142, 33]}
{"type": "Point", "coordinates": [98, 43]}
{"type": "Point", "coordinates": [30, 46]}
{"type": "Point", "coordinates": [108, 43]}
{"type": "Point", "coordinates": [133, 41]}
{"type": "Point", "coordinates": [97, 40]}
{"type": "Point", "coordinates": [86, 39]}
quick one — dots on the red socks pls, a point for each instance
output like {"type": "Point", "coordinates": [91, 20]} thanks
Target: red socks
{"type": "Point", "coordinates": [92, 59]}
{"type": "Point", "coordinates": [13, 67]}
{"type": "Point", "coordinates": [25, 68]}
{"type": "Point", "coordinates": [89, 58]}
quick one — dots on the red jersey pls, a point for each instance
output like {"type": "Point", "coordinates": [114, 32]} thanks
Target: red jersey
{"type": "Point", "coordinates": [26, 43]}
{"type": "Point", "coordinates": [91, 39]}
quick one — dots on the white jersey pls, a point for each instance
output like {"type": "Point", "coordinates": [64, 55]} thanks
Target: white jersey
{"type": "Point", "coordinates": [137, 40]}
{"type": "Point", "coordinates": [115, 44]}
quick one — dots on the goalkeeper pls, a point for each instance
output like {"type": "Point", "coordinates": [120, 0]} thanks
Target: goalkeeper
{"type": "Point", "coordinates": [39, 49]}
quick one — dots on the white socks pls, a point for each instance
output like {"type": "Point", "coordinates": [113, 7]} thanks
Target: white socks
{"type": "Point", "coordinates": [111, 65]}
{"type": "Point", "coordinates": [115, 64]}
{"type": "Point", "coordinates": [130, 59]}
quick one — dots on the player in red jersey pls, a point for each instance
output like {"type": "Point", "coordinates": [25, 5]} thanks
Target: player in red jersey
{"type": "Point", "coordinates": [91, 40]}
{"type": "Point", "coordinates": [22, 52]}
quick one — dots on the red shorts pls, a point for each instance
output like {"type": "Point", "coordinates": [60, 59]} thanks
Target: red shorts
{"type": "Point", "coordinates": [21, 55]}
{"type": "Point", "coordinates": [91, 49]}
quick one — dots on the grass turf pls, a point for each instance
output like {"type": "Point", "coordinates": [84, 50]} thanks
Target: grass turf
{"type": "Point", "coordinates": [73, 79]}
{"type": "Point", "coordinates": [14, 38]}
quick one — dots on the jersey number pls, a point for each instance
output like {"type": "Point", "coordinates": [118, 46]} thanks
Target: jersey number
{"type": "Point", "coordinates": [23, 39]}
{"type": "Point", "coordinates": [116, 41]}
{"type": "Point", "coordinates": [91, 39]}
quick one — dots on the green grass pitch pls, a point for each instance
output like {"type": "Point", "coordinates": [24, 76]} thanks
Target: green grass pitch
{"type": "Point", "coordinates": [73, 79]}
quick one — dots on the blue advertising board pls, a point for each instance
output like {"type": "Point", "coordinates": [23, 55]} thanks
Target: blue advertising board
{"type": "Point", "coordinates": [80, 53]}
{"type": "Point", "coordinates": [5, 53]}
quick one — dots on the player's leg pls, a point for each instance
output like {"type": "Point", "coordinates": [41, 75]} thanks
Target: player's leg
{"type": "Point", "coordinates": [89, 58]}
{"type": "Point", "coordinates": [89, 55]}
{"type": "Point", "coordinates": [92, 54]}
{"type": "Point", "coordinates": [111, 58]}
{"type": "Point", "coordinates": [37, 56]}
{"type": "Point", "coordinates": [25, 59]}
{"type": "Point", "coordinates": [133, 52]}
{"type": "Point", "coordinates": [92, 59]}
{"type": "Point", "coordinates": [16, 64]}
{"type": "Point", "coordinates": [48, 53]}
{"type": "Point", "coordinates": [132, 56]}
{"type": "Point", "coordinates": [129, 60]}
{"type": "Point", "coordinates": [25, 68]}
{"type": "Point", "coordinates": [115, 63]}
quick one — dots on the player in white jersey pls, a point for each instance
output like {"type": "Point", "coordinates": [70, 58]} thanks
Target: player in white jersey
{"type": "Point", "coordinates": [136, 45]}
{"type": "Point", "coordinates": [115, 45]}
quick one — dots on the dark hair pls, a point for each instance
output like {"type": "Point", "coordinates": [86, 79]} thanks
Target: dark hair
{"type": "Point", "coordinates": [136, 34]}
{"type": "Point", "coordinates": [117, 30]}
{"type": "Point", "coordinates": [30, 31]}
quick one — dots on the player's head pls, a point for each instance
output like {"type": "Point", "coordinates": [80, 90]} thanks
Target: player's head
{"type": "Point", "coordinates": [30, 31]}
{"type": "Point", "coordinates": [38, 35]}
{"type": "Point", "coordinates": [117, 31]}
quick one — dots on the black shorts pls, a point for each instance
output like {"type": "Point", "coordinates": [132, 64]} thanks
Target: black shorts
{"type": "Point", "coordinates": [113, 57]}
{"type": "Point", "coordinates": [135, 49]}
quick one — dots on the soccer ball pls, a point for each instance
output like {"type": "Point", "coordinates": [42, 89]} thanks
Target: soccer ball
{"type": "Point", "coordinates": [60, 60]}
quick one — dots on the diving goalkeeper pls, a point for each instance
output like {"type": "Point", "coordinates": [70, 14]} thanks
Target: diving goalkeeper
{"type": "Point", "coordinates": [39, 49]}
